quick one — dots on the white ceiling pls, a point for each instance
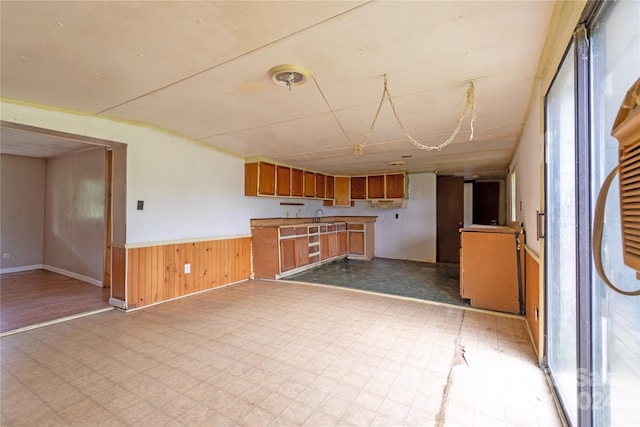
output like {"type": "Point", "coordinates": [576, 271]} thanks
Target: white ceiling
{"type": "Point", "coordinates": [201, 69]}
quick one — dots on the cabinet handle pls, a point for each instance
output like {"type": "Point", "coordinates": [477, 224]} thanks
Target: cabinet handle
{"type": "Point", "coordinates": [539, 225]}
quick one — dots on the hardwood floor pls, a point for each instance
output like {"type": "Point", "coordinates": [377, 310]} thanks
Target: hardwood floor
{"type": "Point", "coordinates": [32, 297]}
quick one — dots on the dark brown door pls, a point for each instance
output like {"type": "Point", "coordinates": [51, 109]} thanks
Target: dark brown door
{"type": "Point", "coordinates": [486, 202]}
{"type": "Point", "coordinates": [449, 217]}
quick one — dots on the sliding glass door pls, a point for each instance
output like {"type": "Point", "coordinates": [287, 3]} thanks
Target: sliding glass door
{"type": "Point", "coordinates": [561, 235]}
{"type": "Point", "coordinates": [592, 332]}
{"type": "Point", "coordinates": [615, 380]}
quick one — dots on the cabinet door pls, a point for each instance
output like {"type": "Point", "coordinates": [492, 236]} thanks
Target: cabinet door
{"type": "Point", "coordinates": [287, 254]}
{"type": "Point", "coordinates": [283, 175]}
{"type": "Point", "coordinates": [356, 242]}
{"type": "Point", "coordinates": [395, 186]}
{"type": "Point", "coordinates": [251, 179]}
{"type": "Point", "coordinates": [342, 242]}
{"type": "Point", "coordinates": [309, 184]}
{"type": "Point", "coordinates": [320, 185]}
{"type": "Point", "coordinates": [333, 245]}
{"type": "Point", "coordinates": [342, 191]}
{"type": "Point", "coordinates": [324, 246]}
{"type": "Point", "coordinates": [267, 179]}
{"type": "Point", "coordinates": [329, 187]}
{"type": "Point", "coordinates": [375, 187]}
{"type": "Point", "coordinates": [359, 187]}
{"type": "Point", "coordinates": [297, 183]}
{"type": "Point", "coordinates": [302, 249]}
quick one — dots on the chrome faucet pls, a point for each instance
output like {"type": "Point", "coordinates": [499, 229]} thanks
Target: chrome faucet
{"type": "Point", "coordinates": [316, 218]}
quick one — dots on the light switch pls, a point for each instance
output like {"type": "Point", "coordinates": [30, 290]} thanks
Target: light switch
{"type": "Point", "coordinates": [140, 205]}
{"type": "Point", "coordinates": [187, 268]}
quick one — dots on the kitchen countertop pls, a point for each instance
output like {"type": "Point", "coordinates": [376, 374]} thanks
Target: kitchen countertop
{"type": "Point", "coordinates": [277, 222]}
{"type": "Point", "coordinates": [492, 228]}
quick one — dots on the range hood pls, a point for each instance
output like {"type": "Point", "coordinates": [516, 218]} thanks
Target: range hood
{"type": "Point", "coordinates": [388, 203]}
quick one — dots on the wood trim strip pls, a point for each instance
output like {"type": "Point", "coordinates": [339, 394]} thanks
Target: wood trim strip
{"type": "Point", "coordinates": [118, 272]}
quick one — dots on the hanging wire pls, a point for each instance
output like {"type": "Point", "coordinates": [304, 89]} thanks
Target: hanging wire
{"type": "Point", "coordinates": [469, 104]}
{"type": "Point", "coordinates": [331, 109]}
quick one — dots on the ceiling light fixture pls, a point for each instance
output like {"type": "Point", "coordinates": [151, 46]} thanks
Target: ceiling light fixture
{"type": "Point", "coordinates": [396, 163]}
{"type": "Point", "coordinates": [289, 75]}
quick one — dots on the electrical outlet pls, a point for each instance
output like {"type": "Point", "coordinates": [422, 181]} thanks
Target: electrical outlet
{"type": "Point", "coordinates": [187, 268]}
{"type": "Point", "coordinates": [6, 255]}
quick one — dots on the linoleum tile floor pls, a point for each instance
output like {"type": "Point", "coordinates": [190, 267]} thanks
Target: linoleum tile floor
{"type": "Point", "coordinates": [275, 353]}
{"type": "Point", "coordinates": [433, 282]}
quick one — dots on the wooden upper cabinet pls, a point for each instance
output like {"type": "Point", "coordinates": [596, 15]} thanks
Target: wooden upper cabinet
{"type": "Point", "coordinates": [375, 187]}
{"type": "Point", "coordinates": [342, 196]}
{"type": "Point", "coordinates": [395, 186]}
{"type": "Point", "coordinates": [297, 183]}
{"type": "Point", "coordinates": [320, 185]}
{"type": "Point", "coordinates": [309, 184]}
{"type": "Point", "coordinates": [266, 179]}
{"type": "Point", "coordinates": [251, 179]}
{"type": "Point", "coordinates": [359, 187]}
{"type": "Point", "coordinates": [329, 187]}
{"type": "Point", "coordinates": [283, 175]}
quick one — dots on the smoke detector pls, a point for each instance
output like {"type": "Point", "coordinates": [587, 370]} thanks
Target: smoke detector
{"type": "Point", "coordinates": [289, 75]}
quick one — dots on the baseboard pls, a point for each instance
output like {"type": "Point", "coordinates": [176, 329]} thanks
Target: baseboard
{"type": "Point", "coordinates": [21, 268]}
{"type": "Point", "coordinates": [118, 303]}
{"type": "Point", "coordinates": [86, 279]}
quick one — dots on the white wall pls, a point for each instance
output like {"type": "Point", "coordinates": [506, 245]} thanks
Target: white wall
{"type": "Point", "coordinates": [412, 235]}
{"type": "Point", "coordinates": [190, 190]}
{"type": "Point", "coordinates": [527, 162]}
{"type": "Point", "coordinates": [22, 192]}
{"type": "Point", "coordinates": [74, 219]}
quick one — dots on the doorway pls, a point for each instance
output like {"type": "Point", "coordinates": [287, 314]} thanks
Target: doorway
{"type": "Point", "coordinates": [449, 217]}
{"type": "Point", "coordinates": [486, 203]}
{"type": "Point", "coordinates": [62, 273]}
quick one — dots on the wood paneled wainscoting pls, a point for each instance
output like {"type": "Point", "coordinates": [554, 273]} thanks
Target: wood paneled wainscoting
{"type": "Point", "coordinates": [533, 309]}
{"type": "Point", "coordinates": [158, 273]}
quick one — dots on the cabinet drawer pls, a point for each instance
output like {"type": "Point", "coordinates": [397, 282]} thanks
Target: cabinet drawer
{"type": "Point", "coordinates": [355, 226]}
{"type": "Point", "coordinates": [287, 231]}
{"type": "Point", "coordinates": [314, 238]}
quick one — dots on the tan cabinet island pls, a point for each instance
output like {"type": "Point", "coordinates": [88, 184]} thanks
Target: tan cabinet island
{"type": "Point", "coordinates": [492, 267]}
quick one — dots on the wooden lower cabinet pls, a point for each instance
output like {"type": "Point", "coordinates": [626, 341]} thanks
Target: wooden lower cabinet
{"type": "Point", "coordinates": [489, 267]}
{"type": "Point", "coordinates": [294, 253]}
{"type": "Point", "coordinates": [360, 241]}
{"type": "Point", "coordinates": [279, 251]}
{"type": "Point", "coordinates": [288, 253]}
